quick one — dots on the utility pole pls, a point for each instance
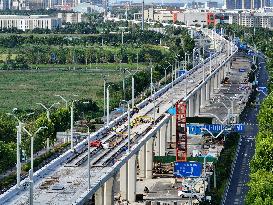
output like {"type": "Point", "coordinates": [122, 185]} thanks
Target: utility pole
{"type": "Point", "coordinates": [151, 85]}
{"type": "Point", "coordinates": [31, 183]}
{"type": "Point", "coordinates": [88, 158]}
{"type": "Point", "coordinates": [107, 96]}
{"type": "Point", "coordinates": [105, 10]}
{"type": "Point", "coordinates": [18, 146]}
{"type": "Point", "coordinates": [18, 164]}
{"type": "Point", "coordinates": [129, 128]}
{"type": "Point", "coordinates": [142, 19]}
{"type": "Point", "coordinates": [71, 124]}
{"type": "Point", "coordinates": [133, 92]}
{"type": "Point", "coordinates": [122, 37]}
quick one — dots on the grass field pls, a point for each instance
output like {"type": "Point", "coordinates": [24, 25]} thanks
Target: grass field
{"type": "Point", "coordinates": [110, 66]}
{"type": "Point", "coordinates": [23, 89]}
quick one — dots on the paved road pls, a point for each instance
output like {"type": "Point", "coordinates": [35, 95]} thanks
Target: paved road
{"type": "Point", "coordinates": [238, 186]}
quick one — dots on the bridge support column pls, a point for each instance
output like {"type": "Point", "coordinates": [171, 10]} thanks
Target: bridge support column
{"type": "Point", "coordinates": [217, 80]}
{"type": "Point", "coordinates": [221, 76]}
{"type": "Point", "coordinates": [149, 159]}
{"type": "Point", "coordinates": [132, 179]}
{"type": "Point", "coordinates": [173, 128]}
{"type": "Point", "coordinates": [99, 196]}
{"type": "Point", "coordinates": [211, 86]}
{"type": "Point", "coordinates": [157, 143]}
{"type": "Point", "coordinates": [191, 107]}
{"type": "Point", "coordinates": [168, 131]}
{"type": "Point", "coordinates": [142, 162]}
{"type": "Point", "coordinates": [207, 90]}
{"type": "Point", "coordinates": [108, 192]}
{"type": "Point", "coordinates": [162, 140]}
{"type": "Point", "coordinates": [203, 96]}
{"type": "Point", "coordinates": [197, 103]}
{"type": "Point", "coordinates": [123, 182]}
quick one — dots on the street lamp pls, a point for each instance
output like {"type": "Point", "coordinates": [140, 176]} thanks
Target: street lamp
{"type": "Point", "coordinates": [165, 70]}
{"type": "Point", "coordinates": [151, 84]}
{"type": "Point", "coordinates": [129, 124]}
{"type": "Point", "coordinates": [48, 118]}
{"type": "Point", "coordinates": [107, 106]}
{"type": "Point", "coordinates": [210, 63]}
{"type": "Point", "coordinates": [172, 71]}
{"type": "Point", "coordinates": [133, 87]}
{"type": "Point", "coordinates": [31, 162]}
{"type": "Point", "coordinates": [231, 100]}
{"type": "Point", "coordinates": [18, 143]}
{"type": "Point", "coordinates": [104, 94]}
{"type": "Point", "coordinates": [66, 102]}
{"type": "Point", "coordinates": [72, 122]}
{"type": "Point", "coordinates": [48, 108]}
{"type": "Point", "coordinates": [88, 155]}
{"type": "Point", "coordinates": [175, 68]}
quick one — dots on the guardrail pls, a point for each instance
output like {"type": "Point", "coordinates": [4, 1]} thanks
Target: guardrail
{"type": "Point", "coordinates": [97, 135]}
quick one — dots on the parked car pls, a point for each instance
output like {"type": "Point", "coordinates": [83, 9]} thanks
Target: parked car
{"type": "Point", "coordinates": [96, 143]}
{"type": "Point", "coordinates": [188, 194]}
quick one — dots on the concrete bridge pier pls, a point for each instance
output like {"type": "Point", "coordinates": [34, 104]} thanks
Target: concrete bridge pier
{"type": "Point", "coordinates": [222, 74]}
{"type": "Point", "coordinates": [157, 143]}
{"type": "Point", "coordinates": [203, 96]}
{"type": "Point", "coordinates": [142, 162]}
{"type": "Point", "coordinates": [215, 81]}
{"type": "Point", "coordinates": [105, 194]}
{"type": "Point", "coordinates": [168, 131]}
{"type": "Point", "coordinates": [173, 128]}
{"type": "Point", "coordinates": [99, 196]}
{"type": "Point", "coordinates": [160, 141]}
{"type": "Point", "coordinates": [207, 91]}
{"type": "Point", "coordinates": [149, 159]}
{"type": "Point", "coordinates": [128, 180]}
{"type": "Point", "coordinates": [191, 107]}
{"type": "Point", "coordinates": [212, 86]}
{"type": "Point", "coordinates": [163, 140]}
{"type": "Point", "coordinates": [123, 182]}
{"type": "Point", "coordinates": [109, 192]}
{"type": "Point", "coordinates": [132, 174]}
{"type": "Point", "coordinates": [197, 103]}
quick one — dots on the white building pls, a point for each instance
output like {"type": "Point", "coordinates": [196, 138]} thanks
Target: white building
{"type": "Point", "coordinates": [252, 19]}
{"type": "Point", "coordinates": [29, 22]}
{"type": "Point", "coordinates": [70, 17]}
{"type": "Point", "coordinates": [160, 15]}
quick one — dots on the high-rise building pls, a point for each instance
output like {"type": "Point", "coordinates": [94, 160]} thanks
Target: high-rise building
{"type": "Point", "coordinates": [230, 4]}
{"type": "Point", "coordinates": [246, 4]}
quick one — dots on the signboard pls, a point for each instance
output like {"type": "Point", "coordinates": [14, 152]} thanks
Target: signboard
{"type": "Point", "coordinates": [243, 46]}
{"type": "Point", "coordinates": [239, 127]}
{"type": "Point", "coordinates": [262, 89]}
{"type": "Point", "coordinates": [172, 111]}
{"type": "Point", "coordinates": [187, 169]}
{"type": "Point", "coordinates": [242, 70]}
{"type": "Point", "coordinates": [213, 128]}
{"type": "Point", "coordinates": [181, 72]}
{"type": "Point", "coordinates": [120, 109]}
